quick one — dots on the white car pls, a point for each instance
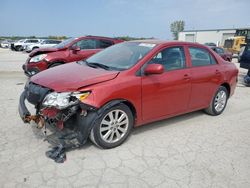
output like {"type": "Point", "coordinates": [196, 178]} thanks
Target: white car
{"type": "Point", "coordinates": [5, 44]}
{"type": "Point", "coordinates": [42, 44]}
{"type": "Point", "coordinates": [21, 44]}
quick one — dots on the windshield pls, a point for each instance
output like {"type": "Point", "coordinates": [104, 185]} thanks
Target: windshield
{"type": "Point", "coordinates": [121, 56]}
{"type": "Point", "coordinates": [64, 43]}
{"type": "Point", "coordinates": [42, 42]}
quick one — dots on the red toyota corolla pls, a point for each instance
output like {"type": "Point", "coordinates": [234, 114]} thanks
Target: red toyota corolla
{"type": "Point", "coordinates": [125, 86]}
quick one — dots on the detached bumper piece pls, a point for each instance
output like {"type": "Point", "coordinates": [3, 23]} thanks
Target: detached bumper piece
{"type": "Point", "coordinates": [60, 145]}
{"type": "Point", "coordinates": [57, 154]}
{"type": "Point", "coordinates": [22, 109]}
{"type": "Point", "coordinates": [35, 95]}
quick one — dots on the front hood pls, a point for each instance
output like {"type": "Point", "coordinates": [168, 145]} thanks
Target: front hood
{"type": "Point", "coordinates": [43, 51]}
{"type": "Point", "coordinates": [72, 76]}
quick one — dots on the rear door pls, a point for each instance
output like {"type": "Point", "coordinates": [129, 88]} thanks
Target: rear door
{"type": "Point", "coordinates": [102, 43]}
{"type": "Point", "coordinates": [167, 93]}
{"type": "Point", "coordinates": [205, 77]}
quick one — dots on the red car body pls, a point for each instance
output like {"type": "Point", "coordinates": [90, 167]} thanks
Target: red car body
{"type": "Point", "coordinates": [187, 90]}
{"type": "Point", "coordinates": [147, 90]}
{"type": "Point", "coordinates": [66, 54]}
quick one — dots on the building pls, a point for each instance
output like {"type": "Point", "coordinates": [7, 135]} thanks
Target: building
{"type": "Point", "coordinates": [217, 36]}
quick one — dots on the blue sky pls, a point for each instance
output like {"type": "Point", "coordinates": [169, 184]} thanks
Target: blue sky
{"type": "Point", "coordinates": [138, 18]}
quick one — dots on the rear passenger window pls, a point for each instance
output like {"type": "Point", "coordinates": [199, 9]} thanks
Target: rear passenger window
{"type": "Point", "coordinates": [171, 58]}
{"type": "Point", "coordinates": [219, 50]}
{"type": "Point", "coordinates": [105, 43]}
{"type": "Point", "coordinates": [33, 41]}
{"type": "Point", "coordinates": [201, 57]}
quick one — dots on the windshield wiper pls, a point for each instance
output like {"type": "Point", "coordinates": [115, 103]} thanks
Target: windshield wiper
{"type": "Point", "coordinates": [95, 65]}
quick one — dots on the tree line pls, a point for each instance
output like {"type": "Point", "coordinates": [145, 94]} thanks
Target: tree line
{"type": "Point", "coordinates": [175, 28]}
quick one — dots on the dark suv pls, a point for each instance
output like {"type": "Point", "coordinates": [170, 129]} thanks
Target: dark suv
{"type": "Point", "coordinates": [70, 50]}
{"type": "Point", "coordinates": [245, 58]}
{"type": "Point", "coordinates": [245, 63]}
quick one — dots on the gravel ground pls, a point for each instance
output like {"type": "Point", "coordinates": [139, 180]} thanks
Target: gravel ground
{"type": "Point", "coordinates": [192, 150]}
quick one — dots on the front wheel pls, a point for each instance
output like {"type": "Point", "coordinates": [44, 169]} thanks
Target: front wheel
{"type": "Point", "coordinates": [18, 48]}
{"type": "Point", "coordinates": [113, 127]}
{"type": "Point", "coordinates": [219, 102]}
{"type": "Point", "coordinates": [55, 65]}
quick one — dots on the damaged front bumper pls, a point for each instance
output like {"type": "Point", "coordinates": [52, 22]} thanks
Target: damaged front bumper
{"type": "Point", "coordinates": [22, 109]}
{"type": "Point", "coordinates": [25, 114]}
{"type": "Point", "coordinates": [52, 116]}
{"type": "Point", "coordinates": [71, 126]}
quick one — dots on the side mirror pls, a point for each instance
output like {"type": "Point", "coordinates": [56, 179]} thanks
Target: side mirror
{"type": "Point", "coordinates": [154, 69]}
{"type": "Point", "coordinates": [75, 48]}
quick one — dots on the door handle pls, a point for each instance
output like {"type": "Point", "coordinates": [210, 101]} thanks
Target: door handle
{"type": "Point", "coordinates": [217, 72]}
{"type": "Point", "coordinates": [186, 77]}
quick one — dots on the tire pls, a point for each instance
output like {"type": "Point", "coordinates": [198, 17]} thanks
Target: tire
{"type": "Point", "coordinates": [247, 80]}
{"type": "Point", "coordinates": [112, 134]}
{"type": "Point", "coordinates": [54, 65]}
{"type": "Point", "coordinates": [219, 102]}
{"type": "Point", "coordinates": [34, 48]}
{"type": "Point", "coordinates": [18, 48]}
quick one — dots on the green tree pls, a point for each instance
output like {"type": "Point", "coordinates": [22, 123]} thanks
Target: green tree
{"type": "Point", "coordinates": [57, 37]}
{"type": "Point", "coordinates": [32, 37]}
{"type": "Point", "coordinates": [176, 27]}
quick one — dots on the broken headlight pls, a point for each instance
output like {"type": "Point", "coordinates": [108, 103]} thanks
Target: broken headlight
{"type": "Point", "coordinates": [63, 100]}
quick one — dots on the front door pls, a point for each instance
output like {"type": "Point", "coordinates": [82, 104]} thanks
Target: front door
{"type": "Point", "coordinates": [88, 47]}
{"type": "Point", "coordinates": [167, 93]}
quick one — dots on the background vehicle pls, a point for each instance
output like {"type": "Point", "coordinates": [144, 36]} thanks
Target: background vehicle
{"type": "Point", "coordinates": [19, 45]}
{"type": "Point", "coordinates": [210, 44]}
{"type": "Point", "coordinates": [241, 38]}
{"type": "Point", "coordinates": [245, 58]}
{"type": "Point", "coordinates": [127, 85]}
{"type": "Point", "coordinates": [223, 53]}
{"type": "Point", "coordinates": [5, 44]}
{"type": "Point", "coordinates": [245, 63]}
{"type": "Point", "coordinates": [73, 49]}
{"type": "Point", "coordinates": [42, 44]}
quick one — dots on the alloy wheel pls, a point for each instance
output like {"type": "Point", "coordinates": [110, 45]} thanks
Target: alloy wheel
{"type": "Point", "coordinates": [114, 126]}
{"type": "Point", "coordinates": [220, 101]}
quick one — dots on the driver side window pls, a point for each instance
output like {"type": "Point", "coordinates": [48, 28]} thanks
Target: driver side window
{"type": "Point", "coordinates": [171, 58]}
{"type": "Point", "coordinates": [86, 44]}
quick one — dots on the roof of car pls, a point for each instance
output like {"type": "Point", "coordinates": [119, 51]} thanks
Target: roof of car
{"type": "Point", "coordinates": [156, 41]}
{"type": "Point", "coordinates": [101, 37]}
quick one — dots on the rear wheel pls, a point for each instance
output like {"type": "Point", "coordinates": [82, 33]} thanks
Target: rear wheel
{"type": "Point", "coordinates": [219, 102]}
{"type": "Point", "coordinates": [113, 127]}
